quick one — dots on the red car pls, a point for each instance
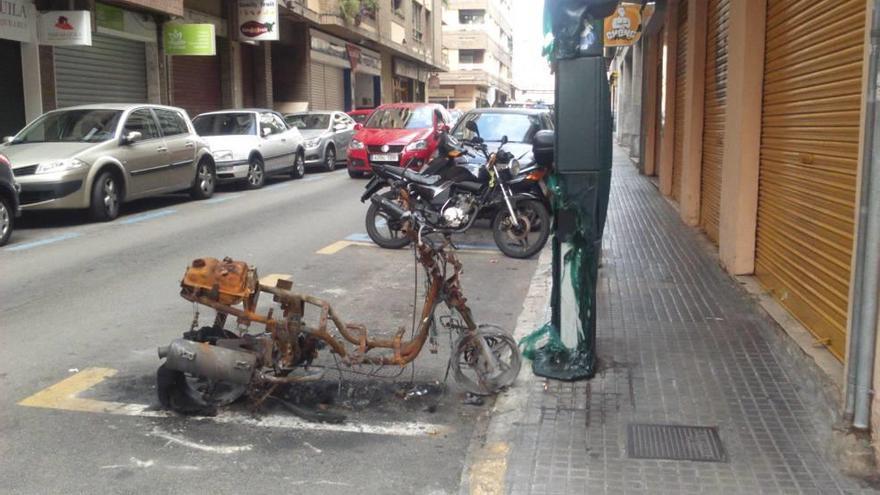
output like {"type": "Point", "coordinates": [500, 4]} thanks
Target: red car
{"type": "Point", "coordinates": [397, 134]}
{"type": "Point", "coordinates": [361, 115]}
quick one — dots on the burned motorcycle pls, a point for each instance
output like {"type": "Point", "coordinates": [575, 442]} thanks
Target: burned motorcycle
{"type": "Point", "coordinates": [213, 366]}
{"type": "Point", "coordinates": [464, 183]}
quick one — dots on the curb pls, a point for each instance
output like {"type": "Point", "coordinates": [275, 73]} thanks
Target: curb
{"type": "Point", "coordinates": [485, 465]}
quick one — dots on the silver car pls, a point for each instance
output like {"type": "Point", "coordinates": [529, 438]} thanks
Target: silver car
{"type": "Point", "coordinates": [250, 144]}
{"type": "Point", "coordinates": [326, 134]}
{"type": "Point", "coordinates": [99, 156]}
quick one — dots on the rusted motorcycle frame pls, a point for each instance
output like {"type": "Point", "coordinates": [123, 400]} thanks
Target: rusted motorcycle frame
{"type": "Point", "coordinates": [212, 366]}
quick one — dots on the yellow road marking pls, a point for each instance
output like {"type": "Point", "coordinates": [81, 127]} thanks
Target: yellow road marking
{"type": "Point", "coordinates": [63, 395]}
{"type": "Point", "coordinates": [487, 473]}
{"type": "Point", "coordinates": [334, 248]}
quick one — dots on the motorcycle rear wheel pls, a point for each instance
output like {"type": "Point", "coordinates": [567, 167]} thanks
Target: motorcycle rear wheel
{"type": "Point", "coordinates": [531, 235]}
{"type": "Point", "coordinates": [382, 229]}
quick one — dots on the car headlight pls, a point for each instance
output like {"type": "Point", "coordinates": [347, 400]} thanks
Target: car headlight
{"type": "Point", "coordinates": [514, 167]}
{"type": "Point", "coordinates": [312, 143]}
{"type": "Point", "coordinates": [419, 145]}
{"type": "Point", "coordinates": [57, 166]}
{"type": "Point", "coordinates": [356, 145]}
{"type": "Point", "coordinates": [222, 155]}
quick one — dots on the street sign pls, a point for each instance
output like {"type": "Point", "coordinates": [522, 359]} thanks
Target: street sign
{"type": "Point", "coordinates": [189, 39]}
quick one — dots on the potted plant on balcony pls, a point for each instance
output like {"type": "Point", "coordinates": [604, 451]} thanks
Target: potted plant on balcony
{"type": "Point", "coordinates": [353, 11]}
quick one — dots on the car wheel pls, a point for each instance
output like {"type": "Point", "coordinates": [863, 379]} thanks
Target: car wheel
{"type": "Point", "coordinates": [256, 175]}
{"type": "Point", "coordinates": [299, 166]}
{"type": "Point", "coordinates": [330, 159]}
{"type": "Point", "coordinates": [7, 220]}
{"type": "Point", "coordinates": [203, 186]}
{"type": "Point", "coordinates": [106, 197]}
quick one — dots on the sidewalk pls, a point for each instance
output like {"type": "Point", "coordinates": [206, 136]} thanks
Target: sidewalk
{"type": "Point", "coordinates": [679, 345]}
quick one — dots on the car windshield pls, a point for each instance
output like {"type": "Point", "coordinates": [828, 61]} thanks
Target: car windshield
{"type": "Point", "coordinates": [308, 121]}
{"type": "Point", "coordinates": [401, 118]}
{"type": "Point", "coordinates": [517, 127]}
{"type": "Point", "coordinates": [83, 126]}
{"type": "Point", "coordinates": [226, 124]}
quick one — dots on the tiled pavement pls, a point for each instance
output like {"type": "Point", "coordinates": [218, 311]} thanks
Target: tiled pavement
{"type": "Point", "coordinates": [678, 344]}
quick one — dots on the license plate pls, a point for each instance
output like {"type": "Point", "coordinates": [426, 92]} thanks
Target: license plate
{"type": "Point", "coordinates": [385, 157]}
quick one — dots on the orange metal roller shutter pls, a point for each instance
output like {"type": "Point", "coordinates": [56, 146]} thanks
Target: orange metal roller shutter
{"type": "Point", "coordinates": [680, 92]}
{"type": "Point", "coordinates": [713, 116]}
{"type": "Point", "coordinates": [809, 153]}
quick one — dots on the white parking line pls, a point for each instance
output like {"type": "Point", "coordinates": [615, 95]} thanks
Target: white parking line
{"type": "Point", "coordinates": [64, 395]}
{"type": "Point", "coordinates": [43, 242]}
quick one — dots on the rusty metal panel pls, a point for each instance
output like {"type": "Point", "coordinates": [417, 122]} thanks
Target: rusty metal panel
{"type": "Point", "coordinates": [680, 92]}
{"type": "Point", "coordinates": [715, 109]}
{"type": "Point", "coordinates": [809, 154]}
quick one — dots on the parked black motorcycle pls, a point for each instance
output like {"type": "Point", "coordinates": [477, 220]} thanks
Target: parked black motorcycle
{"type": "Point", "coordinates": [466, 182]}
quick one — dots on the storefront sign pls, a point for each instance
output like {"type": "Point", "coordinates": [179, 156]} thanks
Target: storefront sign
{"type": "Point", "coordinates": [623, 27]}
{"type": "Point", "coordinates": [124, 23]}
{"type": "Point", "coordinates": [66, 27]}
{"type": "Point", "coordinates": [109, 17]}
{"type": "Point", "coordinates": [189, 39]}
{"type": "Point", "coordinates": [18, 21]}
{"type": "Point", "coordinates": [333, 51]}
{"type": "Point", "coordinates": [408, 69]}
{"type": "Point", "coordinates": [258, 19]}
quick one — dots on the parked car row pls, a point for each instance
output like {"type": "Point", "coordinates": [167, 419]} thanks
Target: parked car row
{"type": "Point", "coordinates": [407, 134]}
{"type": "Point", "coordinates": [97, 157]}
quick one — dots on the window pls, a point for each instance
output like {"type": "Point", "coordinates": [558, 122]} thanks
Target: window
{"type": "Point", "coordinates": [471, 16]}
{"type": "Point", "coordinates": [417, 15]}
{"type": "Point", "coordinates": [171, 122]}
{"type": "Point", "coordinates": [142, 121]}
{"type": "Point", "coordinates": [273, 123]}
{"type": "Point", "coordinates": [308, 121]}
{"type": "Point", "coordinates": [397, 7]}
{"type": "Point", "coordinates": [470, 56]}
{"type": "Point", "coordinates": [225, 124]}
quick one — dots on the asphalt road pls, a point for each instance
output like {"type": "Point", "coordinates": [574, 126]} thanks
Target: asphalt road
{"type": "Point", "coordinates": [77, 296]}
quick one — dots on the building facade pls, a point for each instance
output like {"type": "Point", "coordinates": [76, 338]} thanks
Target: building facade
{"type": "Point", "coordinates": [478, 42]}
{"type": "Point", "coordinates": [755, 117]}
{"type": "Point", "coordinates": [329, 56]}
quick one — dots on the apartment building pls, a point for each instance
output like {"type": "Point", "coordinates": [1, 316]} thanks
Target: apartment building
{"type": "Point", "coordinates": [478, 44]}
{"type": "Point", "coordinates": [332, 54]}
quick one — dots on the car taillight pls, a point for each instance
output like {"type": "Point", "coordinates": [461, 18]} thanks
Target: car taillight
{"type": "Point", "coordinates": [537, 175]}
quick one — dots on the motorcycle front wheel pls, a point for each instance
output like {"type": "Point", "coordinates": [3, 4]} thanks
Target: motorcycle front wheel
{"type": "Point", "coordinates": [384, 230]}
{"type": "Point", "coordinates": [525, 236]}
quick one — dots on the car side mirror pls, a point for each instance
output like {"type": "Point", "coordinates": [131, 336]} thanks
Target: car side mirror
{"type": "Point", "coordinates": [358, 126]}
{"type": "Point", "coordinates": [265, 131]}
{"type": "Point", "coordinates": [472, 126]}
{"type": "Point", "coordinates": [442, 128]}
{"type": "Point", "coordinates": [132, 137]}
{"type": "Point", "coordinates": [542, 147]}
{"type": "Point", "coordinates": [340, 127]}
{"type": "Point", "coordinates": [8, 139]}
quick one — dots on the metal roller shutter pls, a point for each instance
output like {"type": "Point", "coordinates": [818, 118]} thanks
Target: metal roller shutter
{"type": "Point", "coordinates": [809, 153]}
{"type": "Point", "coordinates": [12, 117]}
{"type": "Point", "coordinates": [112, 70]}
{"type": "Point", "coordinates": [715, 108]}
{"type": "Point", "coordinates": [680, 92]}
{"type": "Point", "coordinates": [326, 87]}
{"type": "Point", "coordinates": [197, 84]}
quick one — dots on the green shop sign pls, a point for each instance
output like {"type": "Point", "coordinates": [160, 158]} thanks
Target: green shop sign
{"type": "Point", "coordinates": [189, 39]}
{"type": "Point", "coordinates": [110, 17]}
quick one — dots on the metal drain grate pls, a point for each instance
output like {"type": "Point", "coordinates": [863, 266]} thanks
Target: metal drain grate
{"type": "Point", "coordinates": [675, 442]}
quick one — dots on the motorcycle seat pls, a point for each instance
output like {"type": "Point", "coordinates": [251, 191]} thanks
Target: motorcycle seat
{"type": "Point", "coordinates": [425, 180]}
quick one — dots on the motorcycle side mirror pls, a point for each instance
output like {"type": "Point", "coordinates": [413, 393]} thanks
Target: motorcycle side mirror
{"type": "Point", "coordinates": [542, 147]}
{"type": "Point", "coordinates": [472, 126]}
{"type": "Point", "coordinates": [503, 140]}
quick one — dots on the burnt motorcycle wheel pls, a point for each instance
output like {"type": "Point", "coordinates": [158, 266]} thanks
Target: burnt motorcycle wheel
{"type": "Point", "coordinates": [526, 236]}
{"type": "Point", "coordinates": [187, 394]}
{"type": "Point", "coordinates": [479, 372]}
{"type": "Point", "coordinates": [384, 230]}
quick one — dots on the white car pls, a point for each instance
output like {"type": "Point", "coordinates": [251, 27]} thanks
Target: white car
{"type": "Point", "coordinates": [250, 144]}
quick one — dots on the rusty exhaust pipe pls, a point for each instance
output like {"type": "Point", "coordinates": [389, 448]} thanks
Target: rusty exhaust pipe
{"type": "Point", "coordinates": [209, 361]}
